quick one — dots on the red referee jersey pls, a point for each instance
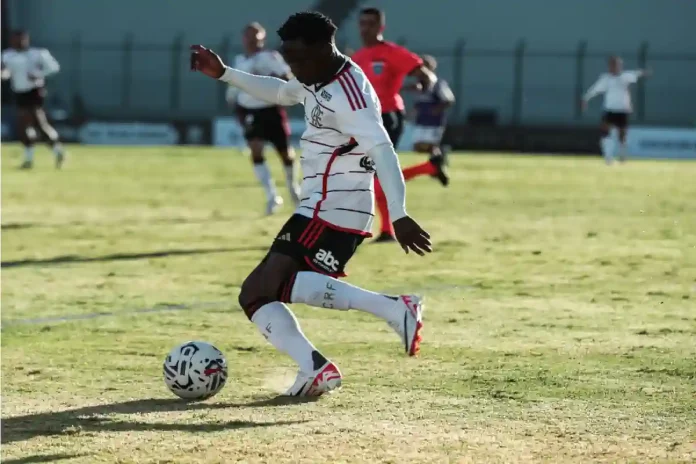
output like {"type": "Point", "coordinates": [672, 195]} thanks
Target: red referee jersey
{"type": "Point", "coordinates": [386, 65]}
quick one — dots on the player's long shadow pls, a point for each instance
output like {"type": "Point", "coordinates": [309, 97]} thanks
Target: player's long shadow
{"type": "Point", "coordinates": [66, 259]}
{"type": "Point", "coordinates": [98, 418]}
{"type": "Point", "coordinates": [38, 458]}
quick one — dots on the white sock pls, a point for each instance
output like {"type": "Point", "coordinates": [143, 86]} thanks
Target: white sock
{"type": "Point", "coordinates": [322, 291]}
{"type": "Point", "coordinates": [263, 174]}
{"type": "Point", "coordinates": [277, 323]}
{"type": "Point", "coordinates": [607, 144]}
{"type": "Point", "coordinates": [57, 149]}
{"type": "Point", "coordinates": [291, 177]}
{"type": "Point", "coordinates": [29, 154]}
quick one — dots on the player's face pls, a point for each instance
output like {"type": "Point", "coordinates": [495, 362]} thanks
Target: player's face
{"type": "Point", "coordinates": [20, 41]}
{"type": "Point", "coordinates": [306, 61]}
{"type": "Point", "coordinates": [370, 27]}
{"type": "Point", "coordinates": [252, 38]}
{"type": "Point", "coordinates": [615, 65]}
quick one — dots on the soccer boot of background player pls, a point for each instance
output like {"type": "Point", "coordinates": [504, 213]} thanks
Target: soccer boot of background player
{"type": "Point", "coordinates": [26, 165]}
{"type": "Point", "coordinates": [273, 204]}
{"type": "Point", "coordinates": [410, 326]}
{"type": "Point", "coordinates": [295, 195]}
{"type": "Point", "coordinates": [440, 171]}
{"type": "Point", "coordinates": [60, 159]}
{"type": "Point", "coordinates": [325, 378]}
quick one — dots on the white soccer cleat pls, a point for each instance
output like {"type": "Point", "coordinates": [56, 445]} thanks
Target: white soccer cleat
{"type": "Point", "coordinates": [321, 381]}
{"type": "Point", "coordinates": [273, 205]}
{"type": "Point", "coordinates": [409, 328]}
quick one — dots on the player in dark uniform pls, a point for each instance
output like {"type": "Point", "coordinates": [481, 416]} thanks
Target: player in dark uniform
{"type": "Point", "coordinates": [27, 68]}
{"type": "Point", "coordinates": [431, 114]}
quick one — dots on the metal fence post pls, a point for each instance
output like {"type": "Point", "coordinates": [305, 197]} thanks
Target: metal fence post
{"type": "Point", "coordinates": [518, 90]}
{"type": "Point", "coordinates": [76, 48]}
{"type": "Point", "coordinates": [640, 96]}
{"type": "Point", "coordinates": [580, 55]}
{"type": "Point", "coordinates": [222, 89]}
{"type": "Point", "coordinates": [458, 75]}
{"type": "Point", "coordinates": [175, 82]}
{"type": "Point", "coordinates": [127, 72]}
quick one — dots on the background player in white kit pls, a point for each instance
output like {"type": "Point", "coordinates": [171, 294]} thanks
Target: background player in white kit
{"type": "Point", "coordinates": [27, 68]}
{"type": "Point", "coordinates": [344, 144]}
{"type": "Point", "coordinates": [617, 106]}
{"type": "Point", "coordinates": [263, 122]}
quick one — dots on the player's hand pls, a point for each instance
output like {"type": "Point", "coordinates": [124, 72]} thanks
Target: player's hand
{"type": "Point", "coordinates": [411, 236]}
{"type": "Point", "coordinates": [647, 72]}
{"type": "Point", "coordinates": [206, 61]}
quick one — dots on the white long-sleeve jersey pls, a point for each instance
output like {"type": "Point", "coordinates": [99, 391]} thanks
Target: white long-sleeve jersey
{"type": "Point", "coordinates": [262, 63]}
{"type": "Point", "coordinates": [343, 145]}
{"type": "Point", "coordinates": [27, 69]}
{"type": "Point", "coordinates": [615, 87]}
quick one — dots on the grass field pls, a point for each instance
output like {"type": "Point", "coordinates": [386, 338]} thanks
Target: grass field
{"type": "Point", "coordinates": [560, 327]}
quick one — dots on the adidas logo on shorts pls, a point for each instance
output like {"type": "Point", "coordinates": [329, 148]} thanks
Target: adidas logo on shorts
{"type": "Point", "coordinates": [285, 237]}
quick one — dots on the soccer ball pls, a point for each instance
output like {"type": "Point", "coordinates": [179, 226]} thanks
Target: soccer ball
{"type": "Point", "coordinates": [195, 370]}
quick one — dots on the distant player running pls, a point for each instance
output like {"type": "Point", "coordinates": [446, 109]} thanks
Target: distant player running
{"type": "Point", "coordinates": [342, 147]}
{"type": "Point", "coordinates": [617, 106]}
{"type": "Point", "coordinates": [386, 65]}
{"type": "Point", "coordinates": [431, 114]}
{"type": "Point", "coordinates": [27, 68]}
{"type": "Point", "coordinates": [264, 122]}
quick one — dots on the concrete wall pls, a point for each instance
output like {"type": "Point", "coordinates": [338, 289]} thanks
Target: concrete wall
{"type": "Point", "coordinates": [101, 69]}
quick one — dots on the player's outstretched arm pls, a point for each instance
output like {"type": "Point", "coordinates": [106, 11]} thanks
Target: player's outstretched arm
{"type": "Point", "coordinates": [270, 89]}
{"type": "Point", "coordinates": [597, 88]}
{"type": "Point", "coordinates": [408, 232]}
{"type": "Point", "coordinates": [49, 65]}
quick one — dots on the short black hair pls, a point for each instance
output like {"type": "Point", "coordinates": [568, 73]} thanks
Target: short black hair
{"type": "Point", "coordinates": [309, 26]}
{"type": "Point", "coordinates": [375, 12]}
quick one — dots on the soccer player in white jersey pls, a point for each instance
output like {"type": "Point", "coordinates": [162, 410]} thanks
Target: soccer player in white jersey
{"type": "Point", "coordinates": [27, 68]}
{"type": "Point", "coordinates": [343, 146]}
{"type": "Point", "coordinates": [262, 121]}
{"type": "Point", "coordinates": [617, 106]}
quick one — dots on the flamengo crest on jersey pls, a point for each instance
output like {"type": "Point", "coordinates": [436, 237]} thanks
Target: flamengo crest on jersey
{"type": "Point", "coordinates": [343, 123]}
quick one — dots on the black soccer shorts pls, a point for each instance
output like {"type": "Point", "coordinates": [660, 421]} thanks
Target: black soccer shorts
{"type": "Point", "coordinates": [269, 124]}
{"type": "Point", "coordinates": [616, 119]}
{"type": "Point", "coordinates": [316, 246]}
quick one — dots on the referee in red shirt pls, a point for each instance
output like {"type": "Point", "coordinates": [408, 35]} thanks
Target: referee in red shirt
{"type": "Point", "coordinates": [386, 65]}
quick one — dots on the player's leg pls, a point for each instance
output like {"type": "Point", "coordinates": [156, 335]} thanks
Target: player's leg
{"type": "Point", "coordinates": [50, 134]}
{"type": "Point", "coordinates": [261, 302]}
{"type": "Point", "coordinates": [606, 142]}
{"type": "Point", "coordinates": [328, 253]}
{"type": "Point", "coordinates": [27, 135]}
{"type": "Point", "coordinates": [278, 133]}
{"type": "Point", "coordinates": [254, 135]}
{"type": "Point", "coordinates": [427, 140]}
{"type": "Point", "coordinates": [622, 129]}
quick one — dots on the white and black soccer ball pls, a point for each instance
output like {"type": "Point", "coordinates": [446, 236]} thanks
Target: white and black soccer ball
{"type": "Point", "coordinates": [195, 370]}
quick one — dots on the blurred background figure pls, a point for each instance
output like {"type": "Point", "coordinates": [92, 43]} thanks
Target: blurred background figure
{"type": "Point", "coordinates": [26, 68]}
{"type": "Point", "coordinates": [617, 106]}
{"type": "Point", "coordinates": [262, 122]}
{"type": "Point", "coordinates": [431, 113]}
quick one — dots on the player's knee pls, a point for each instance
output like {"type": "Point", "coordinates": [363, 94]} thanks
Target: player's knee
{"type": "Point", "coordinates": [258, 290]}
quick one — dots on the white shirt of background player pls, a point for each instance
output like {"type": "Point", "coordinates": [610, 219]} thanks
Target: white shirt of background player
{"type": "Point", "coordinates": [262, 63]}
{"type": "Point", "coordinates": [27, 69]}
{"type": "Point", "coordinates": [617, 97]}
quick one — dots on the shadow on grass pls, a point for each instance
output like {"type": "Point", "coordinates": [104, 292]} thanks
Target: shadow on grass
{"type": "Point", "coordinates": [37, 458]}
{"type": "Point", "coordinates": [97, 418]}
{"type": "Point", "coordinates": [67, 259]}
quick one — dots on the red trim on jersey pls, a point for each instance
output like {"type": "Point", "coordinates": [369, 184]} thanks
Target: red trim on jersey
{"type": "Point", "coordinates": [353, 91]}
{"type": "Point", "coordinates": [345, 229]}
{"type": "Point", "coordinates": [351, 78]}
{"type": "Point", "coordinates": [321, 271]}
{"type": "Point", "coordinates": [345, 90]}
